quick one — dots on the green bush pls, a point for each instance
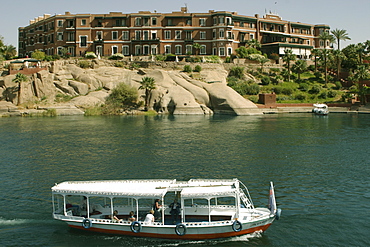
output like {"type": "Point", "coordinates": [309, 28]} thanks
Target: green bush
{"type": "Point", "coordinates": [287, 91]}
{"type": "Point", "coordinates": [90, 55]}
{"type": "Point", "coordinates": [39, 55]}
{"type": "Point", "coordinates": [301, 96]}
{"type": "Point", "coordinates": [304, 87]}
{"type": "Point", "coordinates": [117, 56]}
{"type": "Point", "coordinates": [332, 94]}
{"type": "Point", "coordinates": [197, 68]}
{"type": "Point", "coordinates": [187, 69]}
{"type": "Point", "coordinates": [315, 89]}
{"type": "Point", "coordinates": [323, 95]}
{"type": "Point", "coordinates": [84, 64]}
{"type": "Point", "coordinates": [119, 64]}
{"type": "Point", "coordinates": [122, 96]}
{"type": "Point", "coordinates": [237, 72]}
{"type": "Point", "coordinates": [265, 80]}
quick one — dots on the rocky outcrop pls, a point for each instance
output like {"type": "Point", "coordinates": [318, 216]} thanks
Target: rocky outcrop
{"type": "Point", "coordinates": [175, 93]}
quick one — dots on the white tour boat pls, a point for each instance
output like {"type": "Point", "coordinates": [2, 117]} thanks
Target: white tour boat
{"type": "Point", "coordinates": [320, 109]}
{"type": "Point", "coordinates": [207, 209]}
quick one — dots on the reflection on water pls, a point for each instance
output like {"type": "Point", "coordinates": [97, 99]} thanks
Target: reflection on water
{"type": "Point", "coordinates": [319, 167]}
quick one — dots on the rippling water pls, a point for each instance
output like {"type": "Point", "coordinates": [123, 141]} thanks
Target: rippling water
{"type": "Point", "coordinates": [319, 166]}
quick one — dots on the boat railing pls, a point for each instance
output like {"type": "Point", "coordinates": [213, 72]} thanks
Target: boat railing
{"type": "Point", "coordinates": [245, 196]}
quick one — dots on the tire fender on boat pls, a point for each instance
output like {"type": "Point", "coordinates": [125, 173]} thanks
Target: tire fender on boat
{"type": "Point", "coordinates": [86, 223]}
{"type": "Point", "coordinates": [237, 226]}
{"type": "Point", "coordinates": [134, 225]}
{"type": "Point", "coordinates": [180, 227]}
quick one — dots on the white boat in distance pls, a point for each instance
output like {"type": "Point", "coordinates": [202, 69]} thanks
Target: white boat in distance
{"type": "Point", "coordinates": [208, 209]}
{"type": "Point", "coordinates": [320, 109]}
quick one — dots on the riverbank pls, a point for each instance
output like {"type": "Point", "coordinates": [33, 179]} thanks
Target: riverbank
{"type": "Point", "coordinates": [7, 109]}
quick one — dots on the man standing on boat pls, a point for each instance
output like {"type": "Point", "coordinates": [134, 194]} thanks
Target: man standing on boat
{"type": "Point", "coordinates": [175, 210]}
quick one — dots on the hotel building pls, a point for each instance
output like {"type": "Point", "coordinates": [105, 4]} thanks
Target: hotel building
{"type": "Point", "coordinates": [145, 33]}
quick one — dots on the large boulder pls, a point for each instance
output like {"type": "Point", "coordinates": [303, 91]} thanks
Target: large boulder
{"type": "Point", "coordinates": [79, 87]}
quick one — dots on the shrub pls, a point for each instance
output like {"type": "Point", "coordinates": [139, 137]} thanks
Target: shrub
{"type": "Point", "coordinates": [84, 64]}
{"type": "Point", "coordinates": [122, 96]}
{"type": "Point", "coordinates": [265, 80]}
{"type": "Point", "coordinates": [119, 64]}
{"type": "Point", "coordinates": [304, 87]}
{"type": "Point", "coordinates": [187, 69]}
{"type": "Point", "coordinates": [237, 72]}
{"type": "Point", "coordinates": [160, 57]}
{"type": "Point", "coordinates": [287, 90]}
{"type": "Point", "coordinates": [311, 67]}
{"type": "Point", "coordinates": [332, 94]}
{"type": "Point", "coordinates": [317, 75]}
{"type": "Point", "coordinates": [117, 56]}
{"type": "Point", "coordinates": [301, 96]}
{"type": "Point", "coordinates": [90, 55]}
{"type": "Point", "coordinates": [213, 59]}
{"type": "Point", "coordinates": [197, 68]}
{"type": "Point", "coordinates": [39, 55]}
{"type": "Point", "coordinates": [338, 85]}
{"type": "Point", "coordinates": [323, 95]}
{"type": "Point", "coordinates": [274, 56]}
{"type": "Point", "coordinates": [315, 89]}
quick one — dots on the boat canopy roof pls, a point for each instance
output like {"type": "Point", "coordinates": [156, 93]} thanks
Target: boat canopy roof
{"type": "Point", "coordinates": [193, 188]}
{"type": "Point", "coordinates": [320, 105]}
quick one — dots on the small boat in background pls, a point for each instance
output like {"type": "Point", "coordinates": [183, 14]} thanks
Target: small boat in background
{"type": "Point", "coordinates": [207, 208]}
{"type": "Point", "coordinates": [320, 109]}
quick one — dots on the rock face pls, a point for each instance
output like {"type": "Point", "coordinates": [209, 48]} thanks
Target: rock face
{"type": "Point", "coordinates": [175, 93]}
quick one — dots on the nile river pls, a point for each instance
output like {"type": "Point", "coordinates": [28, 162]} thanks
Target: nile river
{"type": "Point", "coordinates": [319, 165]}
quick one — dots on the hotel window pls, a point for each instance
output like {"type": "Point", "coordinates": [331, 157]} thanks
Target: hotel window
{"type": "Point", "coordinates": [292, 29]}
{"type": "Point", "coordinates": [202, 22]}
{"type": "Point", "coordinates": [178, 49]}
{"type": "Point", "coordinates": [167, 34]}
{"type": "Point", "coordinates": [221, 34]}
{"type": "Point", "coordinates": [202, 50]}
{"type": "Point", "coordinates": [229, 51]}
{"type": "Point", "coordinates": [188, 22]}
{"type": "Point", "coordinates": [202, 35]}
{"type": "Point", "coordinates": [146, 35]}
{"type": "Point", "coordinates": [154, 35]}
{"type": "Point", "coordinates": [188, 35]}
{"type": "Point", "coordinates": [83, 41]}
{"type": "Point", "coordinates": [137, 35]}
{"type": "Point", "coordinates": [228, 21]}
{"type": "Point", "coordinates": [71, 37]}
{"type": "Point", "coordinates": [125, 50]}
{"type": "Point", "coordinates": [146, 49]}
{"type": "Point", "coordinates": [146, 21]}
{"type": "Point", "coordinates": [167, 49]}
{"type": "Point", "coordinates": [59, 50]}
{"type": "Point", "coordinates": [229, 35]}
{"type": "Point", "coordinates": [222, 51]}
{"type": "Point", "coordinates": [59, 36]}
{"type": "Point", "coordinates": [169, 22]}
{"type": "Point", "coordinates": [242, 24]}
{"type": "Point", "coordinates": [251, 25]}
{"type": "Point", "coordinates": [177, 34]}
{"type": "Point", "coordinates": [321, 43]}
{"type": "Point", "coordinates": [137, 49]}
{"type": "Point", "coordinates": [251, 36]}
{"type": "Point", "coordinates": [214, 33]}
{"type": "Point", "coordinates": [221, 20]}
{"type": "Point", "coordinates": [214, 51]}
{"type": "Point", "coordinates": [99, 35]}
{"type": "Point", "coordinates": [114, 35]}
{"type": "Point", "coordinates": [138, 21]}
{"type": "Point", "coordinates": [214, 20]}
{"type": "Point", "coordinates": [83, 22]}
{"type": "Point", "coordinates": [125, 35]}
{"type": "Point", "coordinates": [189, 49]}
{"type": "Point", "coordinates": [264, 27]}
{"type": "Point", "coordinates": [114, 49]}
{"type": "Point", "coordinates": [60, 23]}
{"type": "Point", "coordinates": [154, 21]}
{"type": "Point", "coordinates": [154, 50]}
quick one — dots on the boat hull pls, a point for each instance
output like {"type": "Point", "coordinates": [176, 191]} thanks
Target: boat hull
{"type": "Point", "coordinates": [193, 232]}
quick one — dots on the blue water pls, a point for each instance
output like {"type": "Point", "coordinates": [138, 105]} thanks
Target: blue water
{"type": "Point", "coordinates": [319, 165]}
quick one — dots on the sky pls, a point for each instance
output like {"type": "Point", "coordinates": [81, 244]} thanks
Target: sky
{"type": "Point", "coordinates": [352, 16]}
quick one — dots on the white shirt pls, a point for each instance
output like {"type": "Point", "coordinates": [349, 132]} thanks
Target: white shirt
{"type": "Point", "coordinates": [149, 218]}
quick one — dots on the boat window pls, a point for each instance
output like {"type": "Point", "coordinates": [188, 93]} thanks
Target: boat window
{"type": "Point", "coordinates": [146, 203]}
{"type": "Point", "coordinates": [96, 204]}
{"type": "Point", "coordinates": [195, 202]}
{"type": "Point", "coordinates": [123, 202]}
{"type": "Point", "coordinates": [58, 204]}
{"type": "Point", "coordinates": [226, 201]}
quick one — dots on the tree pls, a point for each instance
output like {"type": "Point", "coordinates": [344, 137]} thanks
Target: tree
{"type": "Point", "coordinates": [340, 34]}
{"type": "Point", "coordinates": [122, 96]}
{"type": "Point", "coordinates": [39, 55]}
{"type": "Point", "coordinates": [20, 78]}
{"type": "Point", "coordinates": [339, 56]}
{"type": "Point", "coordinates": [148, 84]}
{"type": "Point", "coordinates": [361, 74]}
{"type": "Point", "coordinates": [326, 37]}
{"type": "Point", "coordinates": [8, 51]}
{"type": "Point", "coordinates": [287, 58]}
{"type": "Point", "coordinates": [299, 67]}
{"type": "Point", "coordinates": [253, 43]}
{"type": "Point", "coordinates": [197, 47]}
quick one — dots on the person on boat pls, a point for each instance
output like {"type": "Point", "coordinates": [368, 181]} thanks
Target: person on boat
{"type": "Point", "coordinates": [149, 218]}
{"type": "Point", "coordinates": [157, 207]}
{"type": "Point", "coordinates": [175, 210]}
{"type": "Point", "coordinates": [114, 217]}
{"type": "Point", "coordinates": [131, 216]}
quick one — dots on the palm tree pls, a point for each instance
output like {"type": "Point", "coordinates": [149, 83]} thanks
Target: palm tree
{"type": "Point", "coordinates": [9, 51]}
{"type": "Point", "coordinates": [262, 60]}
{"type": "Point", "coordinates": [360, 74]}
{"type": "Point", "coordinates": [339, 56]}
{"type": "Point", "coordinates": [20, 78]}
{"type": "Point", "coordinates": [340, 34]}
{"type": "Point", "coordinates": [299, 67]}
{"type": "Point", "coordinates": [326, 37]}
{"type": "Point", "coordinates": [287, 58]}
{"type": "Point", "coordinates": [197, 47]}
{"type": "Point", "coordinates": [148, 84]}
{"type": "Point", "coordinates": [254, 43]}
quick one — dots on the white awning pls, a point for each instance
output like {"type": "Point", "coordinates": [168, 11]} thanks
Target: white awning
{"type": "Point", "coordinates": [129, 188]}
{"type": "Point", "coordinates": [208, 192]}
